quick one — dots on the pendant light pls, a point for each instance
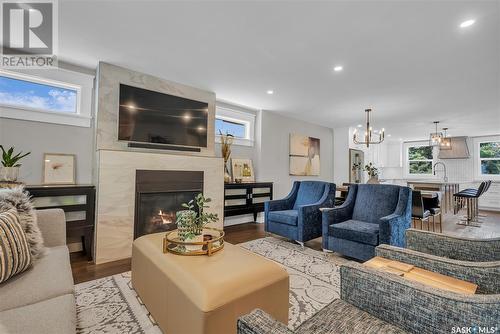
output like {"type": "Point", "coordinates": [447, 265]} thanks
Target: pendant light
{"type": "Point", "coordinates": [367, 138]}
{"type": "Point", "coordinates": [436, 137]}
{"type": "Point", "coordinates": [445, 141]}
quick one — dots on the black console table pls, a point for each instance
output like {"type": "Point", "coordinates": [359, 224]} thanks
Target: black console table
{"type": "Point", "coordinates": [78, 203]}
{"type": "Point", "coordinates": [244, 198]}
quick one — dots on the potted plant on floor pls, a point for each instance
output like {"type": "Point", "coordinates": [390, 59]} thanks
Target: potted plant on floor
{"type": "Point", "coordinates": [372, 173]}
{"type": "Point", "coordinates": [194, 219]}
{"type": "Point", "coordinates": [9, 171]}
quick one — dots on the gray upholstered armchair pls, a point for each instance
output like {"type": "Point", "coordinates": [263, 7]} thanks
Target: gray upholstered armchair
{"type": "Point", "coordinates": [471, 260]}
{"type": "Point", "coordinates": [297, 216]}
{"type": "Point", "coordinates": [374, 301]}
{"type": "Point", "coordinates": [372, 214]}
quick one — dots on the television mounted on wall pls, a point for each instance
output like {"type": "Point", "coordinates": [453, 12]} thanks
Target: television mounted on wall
{"type": "Point", "coordinates": [150, 117]}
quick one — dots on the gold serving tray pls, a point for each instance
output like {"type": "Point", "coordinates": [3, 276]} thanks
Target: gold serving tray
{"type": "Point", "coordinates": [173, 244]}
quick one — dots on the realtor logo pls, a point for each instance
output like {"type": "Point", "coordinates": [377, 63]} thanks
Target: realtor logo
{"type": "Point", "coordinates": [29, 34]}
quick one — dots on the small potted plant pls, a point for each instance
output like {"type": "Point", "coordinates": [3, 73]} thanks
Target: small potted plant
{"type": "Point", "coordinates": [197, 218]}
{"type": "Point", "coordinates": [9, 171]}
{"type": "Point", "coordinates": [372, 173]}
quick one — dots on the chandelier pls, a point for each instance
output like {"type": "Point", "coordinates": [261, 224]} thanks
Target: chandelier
{"type": "Point", "coordinates": [367, 138]}
{"type": "Point", "coordinates": [436, 137]}
{"type": "Point", "coordinates": [445, 141]}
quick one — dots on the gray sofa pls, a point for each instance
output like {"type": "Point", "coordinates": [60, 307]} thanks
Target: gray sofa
{"type": "Point", "coordinates": [41, 300]}
{"type": "Point", "coordinates": [377, 302]}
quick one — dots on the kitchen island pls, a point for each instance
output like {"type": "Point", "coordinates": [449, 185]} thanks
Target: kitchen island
{"type": "Point", "coordinates": [446, 190]}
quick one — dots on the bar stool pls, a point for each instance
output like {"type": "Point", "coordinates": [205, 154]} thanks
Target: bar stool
{"type": "Point", "coordinates": [432, 204]}
{"type": "Point", "coordinates": [418, 212]}
{"type": "Point", "coordinates": [475, 194]}
{"type": "Point", "coordinates": [469, 197]}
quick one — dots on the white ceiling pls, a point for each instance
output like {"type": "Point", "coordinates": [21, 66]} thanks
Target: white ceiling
{"type": "Point", "coordinates": [407, 59]}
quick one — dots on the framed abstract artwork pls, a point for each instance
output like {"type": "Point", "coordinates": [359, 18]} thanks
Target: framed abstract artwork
{"type": "Point", "coordinates": [304, 155]}
{"type": "Point", "coordinates": [59, 168]}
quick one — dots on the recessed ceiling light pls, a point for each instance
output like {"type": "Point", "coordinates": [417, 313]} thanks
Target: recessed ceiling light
{"type": "Point", "coordinates": [270, 92]}
{"type": "Point", "coordinates": [338, 68]}
{"type": "Point", "coordinates": [360, 125]}
{"type": "Point", "coordinates": [467, 23]}
{"type": "Point", "coordinates": [389, 135]}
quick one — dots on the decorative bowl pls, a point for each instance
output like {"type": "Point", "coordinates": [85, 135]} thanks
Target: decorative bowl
{"type": "Point", "coordinates": [213, 241]}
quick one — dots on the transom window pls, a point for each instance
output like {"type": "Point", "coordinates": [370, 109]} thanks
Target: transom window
{"type": "Point", "coordinates": [236, 121]}
{"type": "Point", "coordinates": [225, 126]}
{"type": "Point", "coordinates": [489, 158]}
{"type": "Point", "coordinates": [420, 160]}
{"type": "Point", "coordinates": [58, 96]}
{"type": "Point", "coordinates": [38, 95]}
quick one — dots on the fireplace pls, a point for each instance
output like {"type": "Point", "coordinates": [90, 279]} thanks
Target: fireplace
{"type": "Point", "coordinates": [159, 194]}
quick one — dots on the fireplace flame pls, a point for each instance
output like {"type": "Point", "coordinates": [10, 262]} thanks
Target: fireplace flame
{"type": "Point", "coordinates": [166, 217]}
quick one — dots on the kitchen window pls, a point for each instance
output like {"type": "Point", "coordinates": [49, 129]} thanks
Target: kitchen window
{"type": "Point", "coordinates": [236, 121]}
{"type": "Point", "coordinates": [489, 158]}
{"type": "Point", "coordinates": [419, 160]}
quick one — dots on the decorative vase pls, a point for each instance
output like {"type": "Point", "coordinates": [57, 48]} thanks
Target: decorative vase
{"type": "Point", "coordinates": [185, 222]}
{"type": "Point", "coordinates": [196, 238]}
{"type": "Point", "coordinates": [373, 180]}
{"type": "Point", "coordinates": [9, 174]}
{"type": "Point", "coordinates": [227, 176]}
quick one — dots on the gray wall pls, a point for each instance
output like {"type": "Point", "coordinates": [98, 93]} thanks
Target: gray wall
{"type": "Point", "coordinates": [237, 151]}
{"type": "Point", "coordinates": [341, 155]}
{"type": "Point", "coordinates": [39, 138]}
{"type": "Point", "coordinates": [273, 161]}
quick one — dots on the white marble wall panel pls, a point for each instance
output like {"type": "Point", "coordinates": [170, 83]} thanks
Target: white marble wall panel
{"type": "Point", "coordinates": [116, 194]}
{"type": "Point", "coordinates": [108, 93]}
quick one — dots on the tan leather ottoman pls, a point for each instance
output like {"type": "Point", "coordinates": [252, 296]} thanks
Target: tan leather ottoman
{"type": "Point", "coordinates": [201, 294]}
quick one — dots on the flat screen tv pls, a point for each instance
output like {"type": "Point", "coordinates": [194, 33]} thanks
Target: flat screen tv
{"type": "Point", "coordinates": [147, 116]}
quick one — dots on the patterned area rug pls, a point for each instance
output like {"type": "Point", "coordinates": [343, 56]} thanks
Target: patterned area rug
{"type": "Point", "coordinates": [110, 304]}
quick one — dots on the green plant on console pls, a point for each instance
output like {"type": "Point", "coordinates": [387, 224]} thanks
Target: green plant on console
{"type": "Point", "coordinates": [11, 160]}
{"type": "Point", "coordinates": [371, 169]}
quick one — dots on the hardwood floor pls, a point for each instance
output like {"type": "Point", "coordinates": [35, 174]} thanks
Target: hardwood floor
{"type": "Point", "coordinates": [85, 271]}
{"type": "Point", "coordinates": [489, 228]}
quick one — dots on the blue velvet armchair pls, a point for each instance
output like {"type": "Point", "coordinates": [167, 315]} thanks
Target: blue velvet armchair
{"type": "Point", "coordinates": [297, 216]}
{"type": "Point", "coordinates": [372, 214]}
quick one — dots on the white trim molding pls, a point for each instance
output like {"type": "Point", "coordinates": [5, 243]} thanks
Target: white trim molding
{"type": "Point", "coordinates": [82, 83]}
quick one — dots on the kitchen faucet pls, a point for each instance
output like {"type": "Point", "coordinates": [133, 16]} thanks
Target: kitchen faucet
{"type": "Point", "coordinates": [444, 170]}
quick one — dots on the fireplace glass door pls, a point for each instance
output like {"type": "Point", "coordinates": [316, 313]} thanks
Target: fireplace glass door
{"type": "Point", "coordinates": [157, 211]}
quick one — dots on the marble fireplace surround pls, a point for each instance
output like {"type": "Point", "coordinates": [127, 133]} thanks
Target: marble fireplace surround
{"type": "Point", "coordinates": [116, 163]}
{"type": "Point", "coordinates": [109, 78]}
{"type": "Point", "coordinates": [116, 194]}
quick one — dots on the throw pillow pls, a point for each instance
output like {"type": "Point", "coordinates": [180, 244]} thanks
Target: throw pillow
{"type": "Point", "coordinates": [19, 199]}
{"type": "Point", "coordinates": [15, 256]}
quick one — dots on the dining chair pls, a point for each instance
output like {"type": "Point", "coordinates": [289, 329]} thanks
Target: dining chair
{"type": "Point", "coordinates": [418, 212]}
